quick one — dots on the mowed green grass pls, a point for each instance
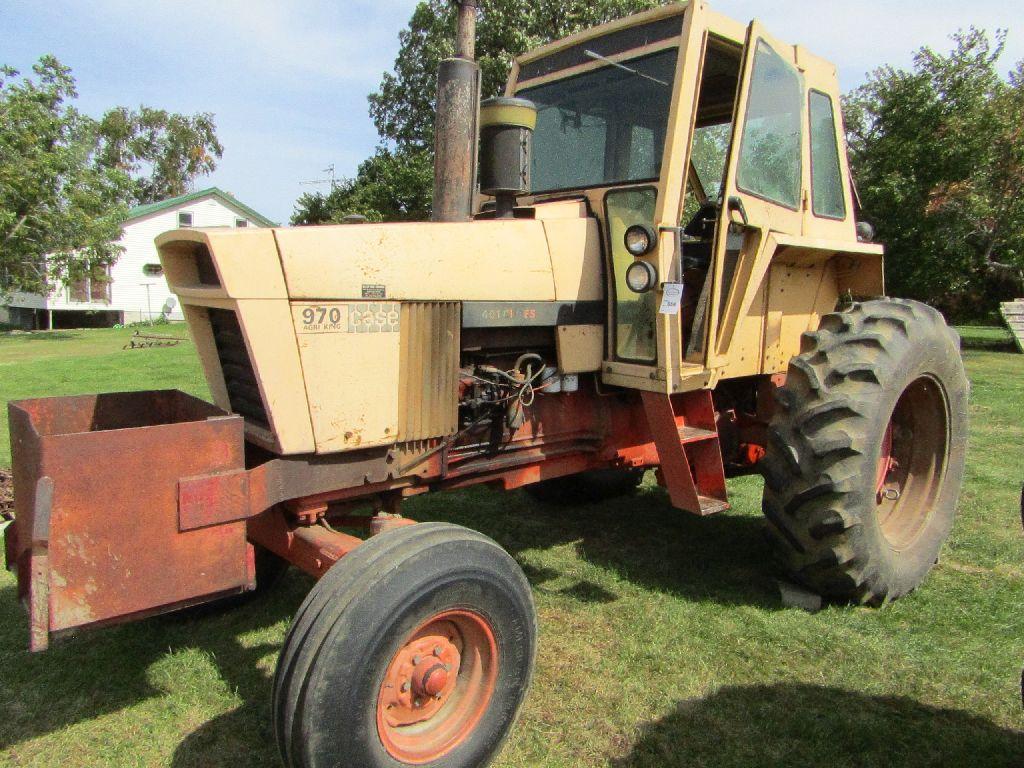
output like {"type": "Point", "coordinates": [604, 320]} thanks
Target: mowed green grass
{"type": "Point", "coordinates": [663, 639]}
{"type": "Point", "coordinates": [61, 363]}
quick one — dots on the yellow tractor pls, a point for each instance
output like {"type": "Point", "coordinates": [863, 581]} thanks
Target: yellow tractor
{"type": "Point", "coordinates": [645, 255]}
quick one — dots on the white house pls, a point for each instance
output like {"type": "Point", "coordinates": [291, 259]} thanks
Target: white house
{"type": "Point", "coordinates": [134, 288]}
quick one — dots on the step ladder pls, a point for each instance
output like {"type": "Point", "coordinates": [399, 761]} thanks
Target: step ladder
{"type": "Point", "coordinates": [1013, 314]}
{"type": "Point", "coordinates": [686, 436]}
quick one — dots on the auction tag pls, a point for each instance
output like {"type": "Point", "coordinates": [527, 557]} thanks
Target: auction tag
{"type": "Point", "coordinates": [673, 299]}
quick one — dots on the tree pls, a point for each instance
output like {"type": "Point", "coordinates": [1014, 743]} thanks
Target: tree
{"type": "Point", "coordinates": [55, 199]}
{"type": "Point", "coordinates": [162, 152]}
{"type": "Point", "coordinates": [938, 154]}
{"type": "Point", "coordinates": [390, 186]}
{"type": "Point", "coordinates": [403, 106]}
{"type": "Point", "coordinates": [67, 180]}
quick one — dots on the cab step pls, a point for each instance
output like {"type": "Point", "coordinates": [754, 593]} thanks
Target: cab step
{"type": "Point", "coordinates": [709, 506]}
{"type": "Point", "coordinates": [685, 434]}
{"type": "Point", "coordinates": [696, 435]}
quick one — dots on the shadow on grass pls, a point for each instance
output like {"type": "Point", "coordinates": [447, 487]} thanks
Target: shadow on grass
{"type": "Point", "coordinates": [804, 725]}
{"type": "Point", "coordinates": [38, 335]}
{"type": "Point", "coordinates": [642, 539]}
{"type": "Point", "coordinates": [989, 345]}
{"type": "Point", "coordinates": [104, 671]}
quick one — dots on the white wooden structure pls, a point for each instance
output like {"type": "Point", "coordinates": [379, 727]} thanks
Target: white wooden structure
{"type": "Point", "coordinates": [134, 288]}
{"type": "Point", "coordinates": [1013, 314]}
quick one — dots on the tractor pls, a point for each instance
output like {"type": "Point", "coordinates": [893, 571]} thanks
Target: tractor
{"type": "Point", "coordinates": [644, 256]}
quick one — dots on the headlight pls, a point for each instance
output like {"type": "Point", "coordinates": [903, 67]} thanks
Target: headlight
{"type": "Point", "coordinates": [640, 240]}
{"type": "Point", "coordinates": [641, 277]}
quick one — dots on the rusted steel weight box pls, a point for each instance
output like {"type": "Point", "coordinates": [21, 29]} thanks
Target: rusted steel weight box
{"type": "Point", "coordinates": [96, 539]}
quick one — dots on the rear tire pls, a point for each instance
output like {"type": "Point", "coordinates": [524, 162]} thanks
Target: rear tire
{"type": "Point", "coordinates": [367, 651]}
{"type": "Point", "coordinates": [866, 451]}
{"type": "Point", "coordinates": [587, 487]}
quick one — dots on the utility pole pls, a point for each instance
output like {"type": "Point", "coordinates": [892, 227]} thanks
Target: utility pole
{"type": "Point", "coordinates": [149, 307]}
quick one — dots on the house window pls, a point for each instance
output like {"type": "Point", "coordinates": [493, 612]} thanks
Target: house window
{"type": "Point", "coordinates": [184, 219]}
{"type": "Point", "coordinates": [152, 270]}
{"type": "Point", "coordinates": [92, 286]}
{"type": "Point", "coordinates": [241, 223]}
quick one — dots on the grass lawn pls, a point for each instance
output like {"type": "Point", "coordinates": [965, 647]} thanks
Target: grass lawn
{"type": "Point", "coordinates": [995, 338]}
{"type": "Point", "coordinates": [663, 639]}
{"type": "Point", "coordinates": [83, 362]}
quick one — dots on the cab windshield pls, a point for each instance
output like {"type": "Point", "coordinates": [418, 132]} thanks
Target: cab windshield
{"type": "Point", "coordinates": [605, 127]}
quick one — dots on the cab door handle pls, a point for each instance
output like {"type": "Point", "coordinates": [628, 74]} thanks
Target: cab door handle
{"type": "Point", "coordinates": [735, 205]}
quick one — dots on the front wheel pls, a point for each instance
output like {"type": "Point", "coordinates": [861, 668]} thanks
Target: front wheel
{"type": "Point", "coordinates": [866, 451]}
{"type": "Point", "coordinates": [416, 649]}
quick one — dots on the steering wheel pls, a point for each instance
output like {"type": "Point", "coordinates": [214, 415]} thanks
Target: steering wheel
{"type": "Point", "coordinates": [702, 225]}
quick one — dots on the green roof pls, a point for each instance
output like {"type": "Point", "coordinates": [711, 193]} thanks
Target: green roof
{"type": "Point", "coordinates": [224, 197]}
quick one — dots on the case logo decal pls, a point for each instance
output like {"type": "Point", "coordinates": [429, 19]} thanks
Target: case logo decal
{"type": "Point", "coordinates": [363, 317]}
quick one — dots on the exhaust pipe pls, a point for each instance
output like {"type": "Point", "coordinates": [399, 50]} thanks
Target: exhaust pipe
{"type": "Point", "coordinates": [455, 129]}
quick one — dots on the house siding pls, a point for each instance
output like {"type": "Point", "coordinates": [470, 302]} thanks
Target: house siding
{"type": "Point", "coordinates": [128, 288]}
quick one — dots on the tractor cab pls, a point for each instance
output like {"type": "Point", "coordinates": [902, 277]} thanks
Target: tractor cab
{"type": "Point", "coordinates": [694, 140]}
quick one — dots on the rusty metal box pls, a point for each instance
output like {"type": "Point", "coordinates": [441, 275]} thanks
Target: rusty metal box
{"type": "Point", "coordinates": [96, 539]}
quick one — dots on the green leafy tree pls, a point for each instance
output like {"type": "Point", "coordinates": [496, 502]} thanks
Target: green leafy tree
{"type": "Point", "coordinates": [403, 107]}
{"type": "Point", "coordinates": [390, 186]}
{"type": "Point", "coordinates": [162, 152]}
{"type": "Point", "coordinates": [56, 200]}
{"type": "Point", "coordinates": [938, 154]}
{"type": "Point", "coordinates": [67, 180]}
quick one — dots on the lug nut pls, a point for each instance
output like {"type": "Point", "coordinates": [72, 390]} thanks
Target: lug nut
{"type": "Point", "coordinates": [406, 686]}
{"type": "Point", "coordinates": [437, 651]}
{"type": "Point", "coordinates": [415, 660]}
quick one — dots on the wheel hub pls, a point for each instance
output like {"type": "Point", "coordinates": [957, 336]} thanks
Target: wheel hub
{"type": "Point", "coordinates": [437, 687]}
{"type": "Point", "coordinates": [911, 463]}
{"type": "Point", "coordinates": [888, 467]}
{"type": "Point", "coordinates": [421, 677]}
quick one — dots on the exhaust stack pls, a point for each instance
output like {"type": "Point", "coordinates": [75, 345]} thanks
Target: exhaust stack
{"type": "Point", "coordinates": [455, 129]}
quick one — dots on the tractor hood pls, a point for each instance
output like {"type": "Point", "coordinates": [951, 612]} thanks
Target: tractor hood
{"type": "Point", "coordinates": [341, 338]}
{"type": "Point", "coordinates": [545, 259]}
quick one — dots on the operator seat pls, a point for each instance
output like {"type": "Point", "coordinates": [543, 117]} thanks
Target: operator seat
{"type": "Point", "coordinates": [697, 255]}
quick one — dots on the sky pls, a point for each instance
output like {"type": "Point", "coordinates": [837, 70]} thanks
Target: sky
{"type": "Point", "coordinates": [288, 81]}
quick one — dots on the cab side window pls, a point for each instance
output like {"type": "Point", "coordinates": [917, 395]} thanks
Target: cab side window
{"type": "Point", "coordinates": [770, 164]}
{"type": "Point", "coordinates": [826, 174]}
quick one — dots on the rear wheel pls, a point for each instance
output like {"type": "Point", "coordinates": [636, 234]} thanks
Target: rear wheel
{"type": "Point", "coordinates": [866, 452]}
{"type": "Point", "coordinates": [587, 487]}
{"type": "Point", "coordinates": [416, 649]}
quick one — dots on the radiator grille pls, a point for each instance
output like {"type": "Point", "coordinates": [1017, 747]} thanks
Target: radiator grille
{"type": "Point", "coordinates": [429, 393]}
{"type": "Point", "coordinates": [239, 377]}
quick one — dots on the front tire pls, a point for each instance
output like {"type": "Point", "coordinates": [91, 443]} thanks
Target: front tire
{"type": "Point", "coordinates": [866, 451]}
{"type": "Point", "coordinates": [416, 649]}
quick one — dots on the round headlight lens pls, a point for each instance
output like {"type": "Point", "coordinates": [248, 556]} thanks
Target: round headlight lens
{"type": "Point", "coordinates": [641, 277]}
{"type": "Point", "coordinates": [640, 240]}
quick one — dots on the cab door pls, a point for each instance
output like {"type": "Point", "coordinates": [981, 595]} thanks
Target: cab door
{"type": "Point", "coordinates": [764, 186]}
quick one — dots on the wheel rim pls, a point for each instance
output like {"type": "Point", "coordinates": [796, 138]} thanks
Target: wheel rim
{"type": "Point", "coordinates": [437, 687]}
{"type": "Point", "coordinates": [912, 462]}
